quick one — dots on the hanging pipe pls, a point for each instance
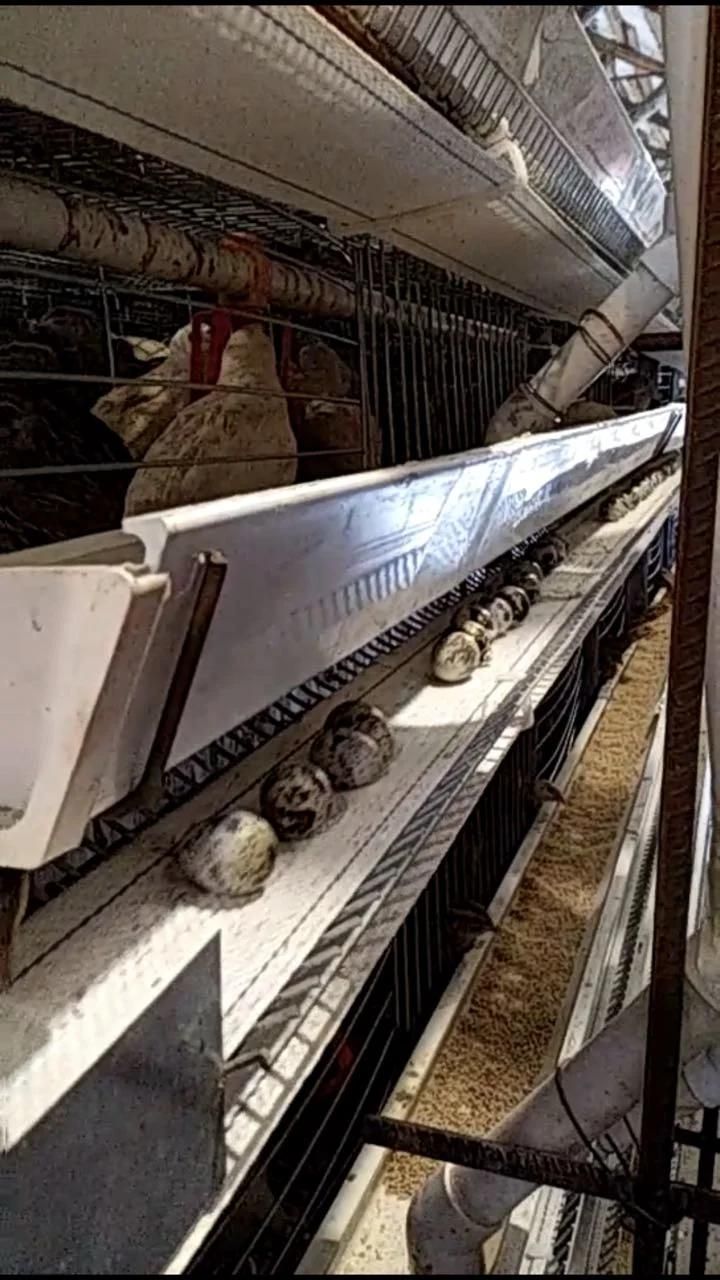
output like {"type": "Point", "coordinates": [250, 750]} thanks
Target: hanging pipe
{"type": "Point", "coordinates": [41, 219]}
{"type": "Point", "coordinates": [458, 1209]}
{"type": "Point", "coordinates": [600, 337]}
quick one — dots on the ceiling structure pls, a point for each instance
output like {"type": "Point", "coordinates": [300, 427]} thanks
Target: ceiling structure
{"type": "Point", "coordinates": [628, 39]}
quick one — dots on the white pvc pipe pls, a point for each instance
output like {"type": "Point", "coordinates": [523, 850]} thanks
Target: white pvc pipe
{"type": "Point", "coordinates": [40, 219]}
{"type": "Point", "coordinates": [458, 1209]}
{"type": "Point", "coordinates": [600, 337]}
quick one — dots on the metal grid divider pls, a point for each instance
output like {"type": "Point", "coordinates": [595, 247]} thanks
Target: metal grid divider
{"type": "Point", "coordinates": [442, 356]}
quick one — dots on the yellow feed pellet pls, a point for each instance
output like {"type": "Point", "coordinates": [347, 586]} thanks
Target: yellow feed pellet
{"type": "Point", "coordinates": [498, 1045]}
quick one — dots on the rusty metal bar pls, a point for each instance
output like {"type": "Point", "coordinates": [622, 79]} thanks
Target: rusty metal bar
{"type": "Point", "coordinates": [543, 1168]}
{"type": "Point", "coordinates": [609, 48]}
{"type": "Point", "coordinates": [658, 342]}
{"type": "Point", "coordinates": [688, 644]}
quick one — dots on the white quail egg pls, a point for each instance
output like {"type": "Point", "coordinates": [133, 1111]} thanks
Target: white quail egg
{"type": "Point", "coordinates": [350, 757]}
{"type": "Point", "coordinates": [480, 636]}
{"type": "Point", "coordinates": [518, 601]}
{"type": "Point", "coordinates": [297, 799]}
{"type": "Point", "coordinates": [368, 719]}
{"type": "Point", "coordinates": [233, 856]}
{"type": "Point", "coordinates": [455, 657]}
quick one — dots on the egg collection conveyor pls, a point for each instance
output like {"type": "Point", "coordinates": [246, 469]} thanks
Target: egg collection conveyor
{"type": "Point", "coordinates": [313, 573]}
{"type": "Point", "coordinates": [294, 959]}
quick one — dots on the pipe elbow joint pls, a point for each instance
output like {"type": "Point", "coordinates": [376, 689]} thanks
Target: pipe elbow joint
{"type": "Point", "coordinates": [441, 1239]}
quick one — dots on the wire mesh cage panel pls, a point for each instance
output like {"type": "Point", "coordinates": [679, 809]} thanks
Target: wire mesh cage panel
{"type": "Point", "coordinates": [441, 353]}
{"type": "Point", "coordinates": [558, 718]}
{"type": "Point", "coordinates": [45, 148]}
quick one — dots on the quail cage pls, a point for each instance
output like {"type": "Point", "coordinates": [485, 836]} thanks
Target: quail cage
{"type": "Point", "coordinates": [387, 360]}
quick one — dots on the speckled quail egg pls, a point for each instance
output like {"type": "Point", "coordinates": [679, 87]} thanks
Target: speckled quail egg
{"type": "Point", "coordinates": [462, 614]}
{"type": "Point", "coordinates": [297, 799]}
{"type": "Point", "coordinates": [480, 636]}
{"type": "Point", "coordinates": [560, 546]}
{"type": "Point", "coordinates": [614, 508]}
{"type": "Point", "coordinates": [545, 554]}
{"type": "Point", "coordinates": [502, 615]}
{"type": "Point", "coordinates": [366, 718]}
{"type": "Point", "coordinates": [474, 611]}
{"type": "Point", "coordinates": [492, 582]}
{"type": "Point", "coordinates": [518, 601]}
{"type": "Point", "coordinates": [529, 565]}
{"type": "Point", "coordinates": [455, 656]}
{"type": "Point", "coordinates": [481, 613]}
{"type": "Point", "coordinates": [531, 583]}
{"type": "Point", "coordinates": [350, 757]}
{"type": "Point", "coordinates": [528, 575]}
{"type": "Point", "coordinates": [233, 856]}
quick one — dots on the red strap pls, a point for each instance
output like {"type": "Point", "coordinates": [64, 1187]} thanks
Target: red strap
{"type": "Point", "coordinates": [205, 365]}
{"type": "Point", "coordinates": [258, 293]}
{"type": "Point", "coordinates": [221, 322]}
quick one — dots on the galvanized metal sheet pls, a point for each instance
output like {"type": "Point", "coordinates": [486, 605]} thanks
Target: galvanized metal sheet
{"type": "Point", "coordinates": [113, 1178]}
